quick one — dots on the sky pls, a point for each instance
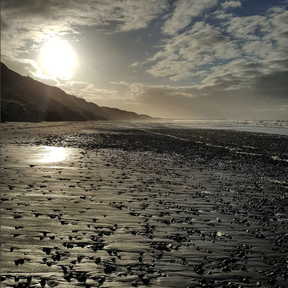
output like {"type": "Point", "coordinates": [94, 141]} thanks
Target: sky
{"type": "Point", "coordinates": [196, 59]}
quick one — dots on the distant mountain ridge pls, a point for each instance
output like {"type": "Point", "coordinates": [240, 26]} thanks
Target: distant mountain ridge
{"type": "Point", "coordinates": [25, 99]}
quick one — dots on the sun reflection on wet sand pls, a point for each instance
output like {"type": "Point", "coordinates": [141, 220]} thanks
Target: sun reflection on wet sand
{"type": "Point", "coordinates": [53, 154]}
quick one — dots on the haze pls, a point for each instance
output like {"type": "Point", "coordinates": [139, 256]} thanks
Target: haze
{"type": "Point", "coordinates": [184, 59]}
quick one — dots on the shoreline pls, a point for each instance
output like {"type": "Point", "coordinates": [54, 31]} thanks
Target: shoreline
{"type": "Point", "coordinates": [227, 125]}
{"type": "Point", "coordinates": [124, 207]}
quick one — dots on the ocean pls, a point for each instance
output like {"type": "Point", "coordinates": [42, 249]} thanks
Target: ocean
{"type": "Point", "coordinates": [279, 127]}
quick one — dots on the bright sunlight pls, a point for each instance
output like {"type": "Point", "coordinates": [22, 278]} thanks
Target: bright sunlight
{"type": "Point", "coordinates": [58, 59]}
{"type": "Point", "coordinates": [52, 154]}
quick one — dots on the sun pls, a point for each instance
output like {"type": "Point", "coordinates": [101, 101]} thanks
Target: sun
{"type": "Point", "coordinates": [58, 59]}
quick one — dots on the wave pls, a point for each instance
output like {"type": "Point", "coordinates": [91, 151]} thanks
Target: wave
{"type": "Point", "coordinates": [260, 126]}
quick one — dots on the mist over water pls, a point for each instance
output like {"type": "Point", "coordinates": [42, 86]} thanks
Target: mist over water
{"type": "Point", "coordinates": [279, 127]}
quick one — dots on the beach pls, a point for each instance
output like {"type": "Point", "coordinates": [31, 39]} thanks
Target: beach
{"type": "Point", "coordinates": [120, 204]}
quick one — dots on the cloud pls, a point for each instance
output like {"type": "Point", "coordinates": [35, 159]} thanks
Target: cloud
{"type": "Point", "coordinates": [130, 15]}
{"type": "Point", "coordinates": [135, 64]}
{"type": "Point", "coordinates": [227, 65]}
{"type": "Point", "coordinates": [138, 14]}
{"type": "Point", "coordinates": [120, 83]}
{"type": "Point", "coordinates": [246, 27]}
{"type": "Point", "coordinates": [206, 102]}
{"type": "Point", "coordinates": [222, 15]}
{"type": "Point", "coordinates": [243, 75]}
{"type": "Point", "coordinates": [185, 55]}
{"type": "Point", "coordinates": [236, 55]}
{"type": "Point", "coordinates": [25, 21]}
{"type": "Point", "coordinates": [183, 13]}
{"type": "Point", "coordinates": [88, 91]}
{"type": "Point", "coordinates": [231, 4]}
{"type": "Point", "coordinates": [239, 66]}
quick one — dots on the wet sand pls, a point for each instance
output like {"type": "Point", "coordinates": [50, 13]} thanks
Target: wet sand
{"type": "Point", "coordinates": [101, 204]}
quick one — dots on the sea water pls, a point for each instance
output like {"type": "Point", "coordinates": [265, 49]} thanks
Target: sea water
{"type": "Point", "coordinates": [279, 127]}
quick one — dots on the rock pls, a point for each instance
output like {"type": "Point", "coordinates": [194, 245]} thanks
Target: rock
{"type": "Point", "coordinates": [109, 269]}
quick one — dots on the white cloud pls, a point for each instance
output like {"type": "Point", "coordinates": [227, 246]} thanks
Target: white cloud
{"type": "Point", "coordinates": [89, 91]}
{"type": "Point", "coordinates": [184, 54]}
{"type": "Point", "coordinates": [184, 11]}
{"type": "Point", "coordinates": [138, 14]}
{"type": "Point", "coordinates": [222, 15]}
{"type": "Point", "coordinates": [231, 4]}
{"type": "Point", "coordinates": [262, 38]}
{"type": "Point", "coordinates": [135, 64]}
{"type": "Point", "coordinates": [131, 15]}
{"type": "Point", "coordinates": [33, 21]}
{"type": "Point", "coordinates": [254, 49]}
{"type": "Point", "coordinates": [246, 27]}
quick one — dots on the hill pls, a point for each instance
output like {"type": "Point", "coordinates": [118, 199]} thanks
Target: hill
{"type": "Point", "coordinates": [25, 99]}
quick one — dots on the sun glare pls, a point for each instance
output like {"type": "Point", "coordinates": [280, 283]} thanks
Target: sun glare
{"type": "Point", "coordinates": [58, 59]}
{"type": "Point", "coordinates": [52, 154]}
